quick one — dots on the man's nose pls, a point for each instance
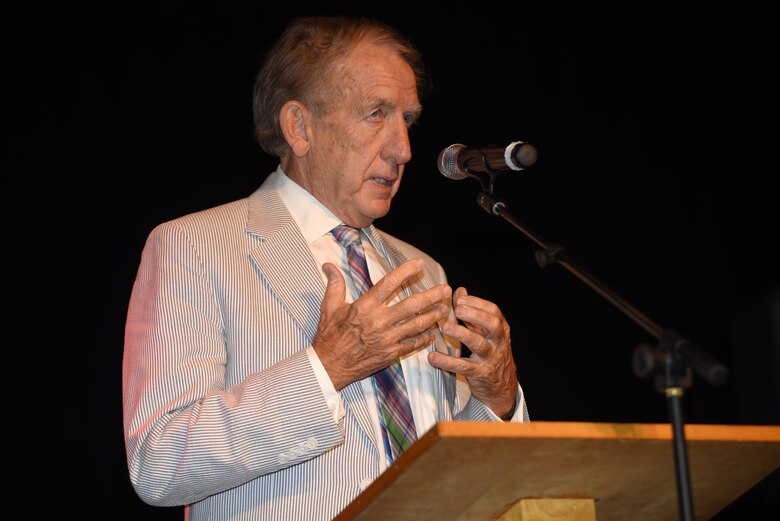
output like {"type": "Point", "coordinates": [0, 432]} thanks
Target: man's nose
{"type": "Point", "coordinates": [398, 146]}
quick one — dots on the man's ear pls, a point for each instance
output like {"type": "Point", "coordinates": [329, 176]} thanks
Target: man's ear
{"type": "Point", "coordinates": [293, 120]}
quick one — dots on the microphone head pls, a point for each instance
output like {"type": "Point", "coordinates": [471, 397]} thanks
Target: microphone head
{"type": "Point", "coordinates": [448, 164]}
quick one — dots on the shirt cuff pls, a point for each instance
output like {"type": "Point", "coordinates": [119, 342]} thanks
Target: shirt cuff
{"type": "Point", "coordinates": [518, 414]}
{"type": "Point", "coordinates": [332, 397]}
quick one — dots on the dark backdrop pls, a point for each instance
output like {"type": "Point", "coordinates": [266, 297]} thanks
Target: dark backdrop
{"type": "Point", "coordinates": [656, 126]}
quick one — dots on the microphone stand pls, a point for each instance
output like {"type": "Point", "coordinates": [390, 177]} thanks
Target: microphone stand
{"type": "Point", "coordinates": [670, 361]}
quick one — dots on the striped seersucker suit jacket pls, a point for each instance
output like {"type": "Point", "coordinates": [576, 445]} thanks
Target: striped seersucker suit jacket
{"type": "Point", "coordinates": [222, 409]}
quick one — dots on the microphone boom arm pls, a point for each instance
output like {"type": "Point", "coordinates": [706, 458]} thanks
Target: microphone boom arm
{"type": "Point", "coordinates": [670, 361]}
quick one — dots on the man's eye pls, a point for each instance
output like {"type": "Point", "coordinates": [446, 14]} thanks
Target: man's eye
{"type": "Point", "coordinates": [409, 119]}
{"type": "Point", "coordinates": [377, 114]}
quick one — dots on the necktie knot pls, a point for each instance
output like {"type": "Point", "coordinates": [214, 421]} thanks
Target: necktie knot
{"type": "Point", "coordinates": [346, 235]}
{"type": "Point", "coordinates": [349, 238]}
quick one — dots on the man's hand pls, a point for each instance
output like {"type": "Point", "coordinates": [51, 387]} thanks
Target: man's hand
{"type": "Point", "coordinates": [356, 340]}
{"type": "Point", "coordinates": [490, 370]}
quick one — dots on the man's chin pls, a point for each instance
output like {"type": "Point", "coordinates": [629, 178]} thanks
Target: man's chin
{"type": "Point", "coordinates": [370, 216]}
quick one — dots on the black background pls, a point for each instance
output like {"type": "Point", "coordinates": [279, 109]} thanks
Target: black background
{"type": "Point", "coordinates": [657, 130]}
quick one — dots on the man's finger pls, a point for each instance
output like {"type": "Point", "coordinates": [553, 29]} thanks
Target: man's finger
{"type": "Point", "coordinates": [456, 296]}
{"type": "Point", "coordinates": [427, 317]}
{"type": "Point", "coordinates": [411, 344]}
{"type": "Point", "coordinates": [336, 290]}
{"type": "Point", "coordinates": [476, 343]}
{"type": "Point", "coordinates": [419, 303]}
{"type": "Point", "coordinates": [452, 364]}
{"type": "Point", "coordinates": [392, 282]}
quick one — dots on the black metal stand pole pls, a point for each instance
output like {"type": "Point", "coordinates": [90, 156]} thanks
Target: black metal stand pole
{"type": "Point", "coordinates": [668, 361]}
{"type": "Point", "coordinates": [684, 495]}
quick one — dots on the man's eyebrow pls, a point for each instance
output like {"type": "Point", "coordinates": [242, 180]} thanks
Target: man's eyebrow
{"type": "Point", "coordinates": [415, 111]}
{"type": "Point", "coordinates": [379, 103]}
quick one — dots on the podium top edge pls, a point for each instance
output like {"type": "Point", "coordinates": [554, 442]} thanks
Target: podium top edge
{"type": "Point", "coordinates": [645, 431]}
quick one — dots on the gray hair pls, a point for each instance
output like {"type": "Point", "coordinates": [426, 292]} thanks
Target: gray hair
{"type": "Point", "coordinates": [305, 62]}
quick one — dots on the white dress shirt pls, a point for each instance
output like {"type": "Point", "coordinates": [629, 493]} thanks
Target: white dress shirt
{"type": "Point", "coordinates": [315, 222]}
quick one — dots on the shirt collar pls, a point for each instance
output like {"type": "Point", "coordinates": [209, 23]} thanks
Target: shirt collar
{"type": "Point", "coordinates": [312, 217]}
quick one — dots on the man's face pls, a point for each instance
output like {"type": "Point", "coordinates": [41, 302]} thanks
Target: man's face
{"type": "Point", "coordinates": [359, 147]}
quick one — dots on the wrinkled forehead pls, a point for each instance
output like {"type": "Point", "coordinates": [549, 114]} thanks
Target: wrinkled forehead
{"type": "Point", "coordinates": [367, 67]}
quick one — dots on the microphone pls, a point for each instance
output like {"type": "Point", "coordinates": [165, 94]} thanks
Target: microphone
{"type": "Point", "coordinates": [459, 161]}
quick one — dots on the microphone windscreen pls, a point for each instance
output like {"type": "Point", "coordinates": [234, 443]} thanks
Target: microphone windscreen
{"type": "Point", "coordinates": [448, 162]}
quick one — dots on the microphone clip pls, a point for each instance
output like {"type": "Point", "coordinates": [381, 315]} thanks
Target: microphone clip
{"type": "Point", "coordinates": [492, 175]}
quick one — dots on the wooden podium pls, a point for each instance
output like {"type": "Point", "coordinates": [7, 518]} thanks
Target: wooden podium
{"type": "Point", "coordinates": [480, 471]}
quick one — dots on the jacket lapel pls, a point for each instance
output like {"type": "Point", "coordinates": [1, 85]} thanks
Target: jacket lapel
{"type": "Point", "coordinates": [285, 260]}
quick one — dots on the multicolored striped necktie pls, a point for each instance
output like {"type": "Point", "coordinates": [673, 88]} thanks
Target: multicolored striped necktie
{"type": "Point", "coordinates": [398, 431]}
